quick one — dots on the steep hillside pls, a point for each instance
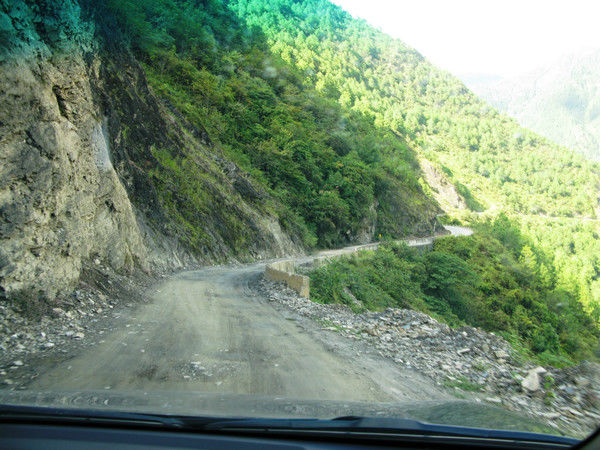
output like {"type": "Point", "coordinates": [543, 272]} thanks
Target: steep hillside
{"type": "Point", "coordinates": [560, 101]}
{"type": "Point", "coordinates": [497, 279]}
{"type": "Point", "coordinates": [499, 162]}
{"type": "Point", "coordinates": [215, 159]}
{"type": "Point", "coordinates": [493, 163]}
{"type": "Point", "coordinates": [147, 135]}
{"type": "Point", "coordinates": [82, 142]}
{"type": "Point", "coordinates": [338, 176]}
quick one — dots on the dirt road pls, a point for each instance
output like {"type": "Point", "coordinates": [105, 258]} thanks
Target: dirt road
{"type": "Point", "coordinates": [208, 331]}
{"type": "Point", "coordinates": [205, 331]}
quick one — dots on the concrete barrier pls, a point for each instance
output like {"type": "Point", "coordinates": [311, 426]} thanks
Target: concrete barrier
{"type": "Point", "coordinates": [284, 271]}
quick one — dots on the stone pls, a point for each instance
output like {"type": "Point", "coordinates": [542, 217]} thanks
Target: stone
{"type": "Point", "coordinates": [501, 354]}
{"type": "Point", "coordinates": [445, 354]}
{"type": "Point", "coordinates": [531, 382]}
{"type": "Point", "coordinates": [568, 390]}
{"type": "Point", "coordinates": [592, 398]}
{"type": "Point", "coordinates": [582, 382]}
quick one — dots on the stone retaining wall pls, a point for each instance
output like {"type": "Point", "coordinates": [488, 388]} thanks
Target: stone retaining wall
{"type": "Point", "coordinates": [284, 271]}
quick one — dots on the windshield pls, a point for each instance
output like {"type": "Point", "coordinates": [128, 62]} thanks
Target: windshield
{"type": "Point", "coordinates": [288, 209]}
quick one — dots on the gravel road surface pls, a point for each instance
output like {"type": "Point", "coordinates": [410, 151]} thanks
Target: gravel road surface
{"type": "Point", "coordinates": [208, 331]}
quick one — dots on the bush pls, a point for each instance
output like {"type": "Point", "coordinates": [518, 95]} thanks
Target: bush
{"type": "Point", "coordinates": [545, 339]}
{"type": "Point", "coordinates": [475, 280]}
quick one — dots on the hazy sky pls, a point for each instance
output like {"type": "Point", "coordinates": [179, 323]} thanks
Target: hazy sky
{"type": "Point", "coordinates": [501, 37]}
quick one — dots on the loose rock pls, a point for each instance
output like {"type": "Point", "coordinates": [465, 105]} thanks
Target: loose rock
{"type": "Point", "coordinates": [501, 354]}
{"type": "Point", "coordinates": [417, 341]}
{"type": "Point", "coordinates": [531, 382]}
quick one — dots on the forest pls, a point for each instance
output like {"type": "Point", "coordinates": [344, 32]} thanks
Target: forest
{"type": "Point", "coordinates": [332, 170]}
{"type": "Point", "coordinates": [330, 117]}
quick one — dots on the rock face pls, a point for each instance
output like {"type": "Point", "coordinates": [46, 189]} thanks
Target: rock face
{"type": "Point", "coordinates": [443, 190]}
{"type": "Point", "coordinates": [60, 197]}
{"type": "Point", "coordinates": [78, 125]}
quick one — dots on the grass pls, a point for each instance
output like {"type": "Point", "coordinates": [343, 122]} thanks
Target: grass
{"type": "Point", "coordinates": [549, 390]}
{"type": "Point", "coordinates": [330, 324]}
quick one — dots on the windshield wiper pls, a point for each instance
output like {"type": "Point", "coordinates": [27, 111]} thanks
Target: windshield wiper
{"type": "Point", "coordinates": [348, 426]}
{"type": "Point", "coordinates": [388, 427]}
{"type": "Point", "coordinates": [87, 417]}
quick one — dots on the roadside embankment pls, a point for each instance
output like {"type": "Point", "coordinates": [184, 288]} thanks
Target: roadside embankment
{"type": "Point", "coordinates": [472, 364]}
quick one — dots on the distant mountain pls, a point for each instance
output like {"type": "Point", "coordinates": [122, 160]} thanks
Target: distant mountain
{"type": "Point", "coordinates": [479, 80]}
{"type": "Point", "coordinates": [560, 101]}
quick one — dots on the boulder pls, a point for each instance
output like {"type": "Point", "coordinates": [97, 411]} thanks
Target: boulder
{"type": "Point", "coordinates": [531, 382]}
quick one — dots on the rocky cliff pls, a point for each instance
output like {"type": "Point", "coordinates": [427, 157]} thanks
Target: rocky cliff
{"type": "Point", "coordinates": [81, 137]}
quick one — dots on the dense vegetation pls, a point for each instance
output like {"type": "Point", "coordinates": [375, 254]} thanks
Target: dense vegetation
{"type": "Point", "coordinates": [493, 162]}
{"type": "Point", "coordinates": [574, 248]}
{"type": "Point", "coordinates": [502, 164]}
{"type": "Point", "coordinates": [496, 279]}
{"type": "Point", "coordinates": [333, 171]}
{"type": "Point", "coordinates": [329, 116]}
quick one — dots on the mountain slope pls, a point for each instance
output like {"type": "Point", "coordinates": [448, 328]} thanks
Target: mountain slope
{"type": "Point", "coordinates": [326, 164]}
{"type": "Point", "coordinates": [80, 133]}
{"type": "Point", "coordinates": [493, 163]}
{"type": "Point", "coordinates": [215, 160]}
{"type": "Point", "coordinates": [171, 132]}
{"type": "Point", "coordinates": [365, 70]}
{"type": "Point", "coordinates": [560, 101]}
